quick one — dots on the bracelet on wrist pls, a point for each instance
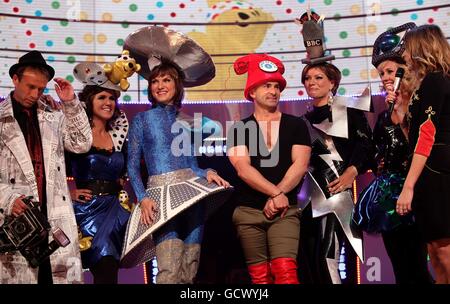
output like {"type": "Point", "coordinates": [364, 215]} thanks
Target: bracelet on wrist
{"type": "Point", "coordinates": [274, 196]}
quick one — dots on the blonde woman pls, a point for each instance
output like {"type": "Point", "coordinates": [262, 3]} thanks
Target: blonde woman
{"type": "Point", "coordinates": [427, 186]}
{"type": "Point", "coordinates": [375, 209]}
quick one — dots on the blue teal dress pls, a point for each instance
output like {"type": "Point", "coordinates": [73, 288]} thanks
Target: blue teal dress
{"type": "Point", "coordinates": [103, 218]}
{"type": "Point", "coordinates": [150, 136]}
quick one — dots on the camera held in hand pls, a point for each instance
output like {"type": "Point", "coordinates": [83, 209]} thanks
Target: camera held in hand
{"type": "Point", "coordinates": [28, 233]}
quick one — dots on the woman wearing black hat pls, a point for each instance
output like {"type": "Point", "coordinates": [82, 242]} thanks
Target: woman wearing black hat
{"type": "Point", "coordinates": [375, 209]}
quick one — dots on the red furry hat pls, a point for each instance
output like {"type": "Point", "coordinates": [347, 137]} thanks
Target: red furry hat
{"type": "Point", "coordinates": [261, 68]}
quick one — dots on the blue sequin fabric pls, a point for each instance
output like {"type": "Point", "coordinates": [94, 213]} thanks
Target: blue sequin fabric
{"type": "Point", "coordinates": [151, 137]}
{"type": "Point", "coordinates": [165, 144]}
{"type": "Point", "coordinates": [102, 218]}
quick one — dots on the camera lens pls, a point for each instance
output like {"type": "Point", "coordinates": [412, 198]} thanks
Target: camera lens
{"type": "Point", "coordinates": [20, 228]}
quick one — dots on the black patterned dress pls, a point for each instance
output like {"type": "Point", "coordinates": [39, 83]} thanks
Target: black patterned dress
{"type": "Point", "coordinates": [375, 210]}
{"type": "Point", "coordinates": [429, 135]}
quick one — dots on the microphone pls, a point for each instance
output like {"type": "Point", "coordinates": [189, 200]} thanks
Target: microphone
{"type": "Point", "coordinates": [398, 79]}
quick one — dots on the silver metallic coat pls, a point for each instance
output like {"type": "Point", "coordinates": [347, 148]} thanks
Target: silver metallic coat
{"type": "Point", "coordinates": [67, 129]}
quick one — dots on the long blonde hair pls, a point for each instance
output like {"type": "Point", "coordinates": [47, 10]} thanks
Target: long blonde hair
{"type": "Point", "coordinates": [429, 50]}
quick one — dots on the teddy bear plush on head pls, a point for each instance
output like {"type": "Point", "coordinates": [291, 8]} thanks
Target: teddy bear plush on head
{"type": "Point", "coordinates": [121, 69]}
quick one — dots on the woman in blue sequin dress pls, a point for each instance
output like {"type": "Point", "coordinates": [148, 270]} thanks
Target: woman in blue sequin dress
{"type": "Point", "coordinates": [178, 240]}
{"type": "Point", "coordinates": [99, 176]}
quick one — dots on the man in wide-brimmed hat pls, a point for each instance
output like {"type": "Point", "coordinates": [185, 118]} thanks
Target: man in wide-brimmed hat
{"type": "Point", "coordinates": [33, 137]}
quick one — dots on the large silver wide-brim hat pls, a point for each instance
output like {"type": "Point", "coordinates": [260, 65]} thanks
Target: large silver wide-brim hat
{"type": "Point", "coordinates": [152, 45]}
{"type": "Point", "coordinates": [173, 192]}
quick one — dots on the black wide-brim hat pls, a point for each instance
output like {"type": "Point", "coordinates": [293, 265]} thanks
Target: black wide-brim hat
{"type": "Point", "coordinates": [153, 45]}
{"type": "Point", "coordinates": [33, 58]}
{"type": "Point", "coordinates": [390, 44]}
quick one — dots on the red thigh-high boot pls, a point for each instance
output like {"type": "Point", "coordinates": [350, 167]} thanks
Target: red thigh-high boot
{"type": "Point", "coordinates": [284, 270]}
{"type": "Point", "coordinates": [260, 273]}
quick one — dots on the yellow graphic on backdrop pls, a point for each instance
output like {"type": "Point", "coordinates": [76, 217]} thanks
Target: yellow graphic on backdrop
{"type": "Point", "coordinates": [227, 42]}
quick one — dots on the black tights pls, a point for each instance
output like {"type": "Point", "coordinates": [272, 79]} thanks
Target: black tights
{"type": "Point", "coordinates": [105, 271]}
{"type": "Point", "coordinates": [408, 255]}
{"type": "Point", "coordinates": [316, 245]}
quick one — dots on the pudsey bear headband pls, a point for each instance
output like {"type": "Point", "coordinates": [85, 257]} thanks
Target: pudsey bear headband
{"type": "Point", "coordinates": [110, 76]}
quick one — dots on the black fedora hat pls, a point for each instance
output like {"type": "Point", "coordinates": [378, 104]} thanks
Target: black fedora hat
{"type": "Point", "coordinates": [33, 58]}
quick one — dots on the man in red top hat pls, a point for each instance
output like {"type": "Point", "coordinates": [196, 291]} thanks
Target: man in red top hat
{"type": "Point", "coordinates": [270, 151]}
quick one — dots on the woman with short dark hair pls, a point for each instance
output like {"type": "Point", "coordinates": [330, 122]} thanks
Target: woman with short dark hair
{"type": "Point", "coordinates": [342, 149]}
{"type": "Point", "coordinates": [171, 211]}
{"type": "Point", "coordinates": [177, 241]}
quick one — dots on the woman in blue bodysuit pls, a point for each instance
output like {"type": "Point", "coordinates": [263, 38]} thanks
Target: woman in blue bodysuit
{"type": "Point", "coordinates": [99, 176]}
{"type": "Point", "coordinates": [178, 240]}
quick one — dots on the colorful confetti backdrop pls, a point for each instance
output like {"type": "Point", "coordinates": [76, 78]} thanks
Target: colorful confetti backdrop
{"type": "Point", "coordinates": [72, 31]}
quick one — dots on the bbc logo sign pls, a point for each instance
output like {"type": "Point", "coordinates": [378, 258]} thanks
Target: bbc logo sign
{"type": "Point", "coordinates": [315, 42]}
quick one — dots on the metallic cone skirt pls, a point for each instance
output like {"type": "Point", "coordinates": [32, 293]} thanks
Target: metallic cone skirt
{"type": "Point", "coordinates": [173, 192]}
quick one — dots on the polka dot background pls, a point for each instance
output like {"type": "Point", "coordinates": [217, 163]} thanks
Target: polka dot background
{"type": "Point", "coordinates": [100, 37]}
